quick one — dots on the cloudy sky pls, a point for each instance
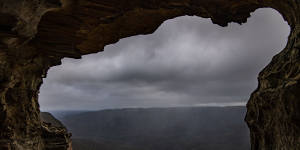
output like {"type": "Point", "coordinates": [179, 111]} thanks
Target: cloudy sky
{"type": "Point", "coordinates": [188, 61]}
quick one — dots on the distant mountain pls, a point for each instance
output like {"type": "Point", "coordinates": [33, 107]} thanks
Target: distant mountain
{"type": "Point", "coordinates": [60, 114]}
{"type": "Point", "coordinates": [186, 128]}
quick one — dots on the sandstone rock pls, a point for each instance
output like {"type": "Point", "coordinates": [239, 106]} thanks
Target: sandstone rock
{"type": "Point", "coordinates": [54, 133]}
{"type": "Point", "coordinates": [36, 34]}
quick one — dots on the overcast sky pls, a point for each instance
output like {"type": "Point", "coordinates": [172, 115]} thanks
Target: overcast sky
{"type": "Point", "coordinates": [188, 61]}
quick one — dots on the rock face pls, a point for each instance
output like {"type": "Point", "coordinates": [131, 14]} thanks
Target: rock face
{"type": "Point", "coordinates": [54, 133]}
{"type": "Point", "coordinates": [274, 108]}
{"type": "Point", "coordinates": [36, 34]}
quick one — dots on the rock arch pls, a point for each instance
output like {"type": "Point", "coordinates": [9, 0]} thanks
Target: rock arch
{"type": "Point", "coordinates": [36, 34]}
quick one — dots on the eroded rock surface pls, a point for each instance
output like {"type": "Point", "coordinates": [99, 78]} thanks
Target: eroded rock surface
{"type": "Point", "coordinates": [274, 108]}
{"type": "Point", "coordinates": [37, 34]}
{"type": "Point", "coordinates": [54, 133]}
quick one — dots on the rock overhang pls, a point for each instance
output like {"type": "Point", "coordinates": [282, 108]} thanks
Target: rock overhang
{"type": "Point", "coordinates": [37, 34]}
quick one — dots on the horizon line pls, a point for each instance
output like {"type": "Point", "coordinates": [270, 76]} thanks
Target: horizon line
{"type": "Point", "coordinates": [228, 104]}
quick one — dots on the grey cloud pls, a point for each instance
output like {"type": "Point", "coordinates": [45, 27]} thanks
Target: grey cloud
{"type": "Point", "coordinates": [187, 61]}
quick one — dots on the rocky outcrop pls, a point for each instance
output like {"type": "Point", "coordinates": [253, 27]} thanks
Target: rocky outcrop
{"type": "Point", "coordinates": [54, 133]}
{"type": "Point", "coordinates": [274, 108]}
{"type": "Point", "coordinates": [37, 34]}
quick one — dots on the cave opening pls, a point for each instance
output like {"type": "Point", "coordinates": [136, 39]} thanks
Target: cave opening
{"type": "Point", "coordinates": [187, 62]}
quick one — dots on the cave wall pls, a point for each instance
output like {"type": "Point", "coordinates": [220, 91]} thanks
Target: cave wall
{"type": "Point", "coordinates": [36, 34]}
{"type": "Point", "coordinates": [273, 111]}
